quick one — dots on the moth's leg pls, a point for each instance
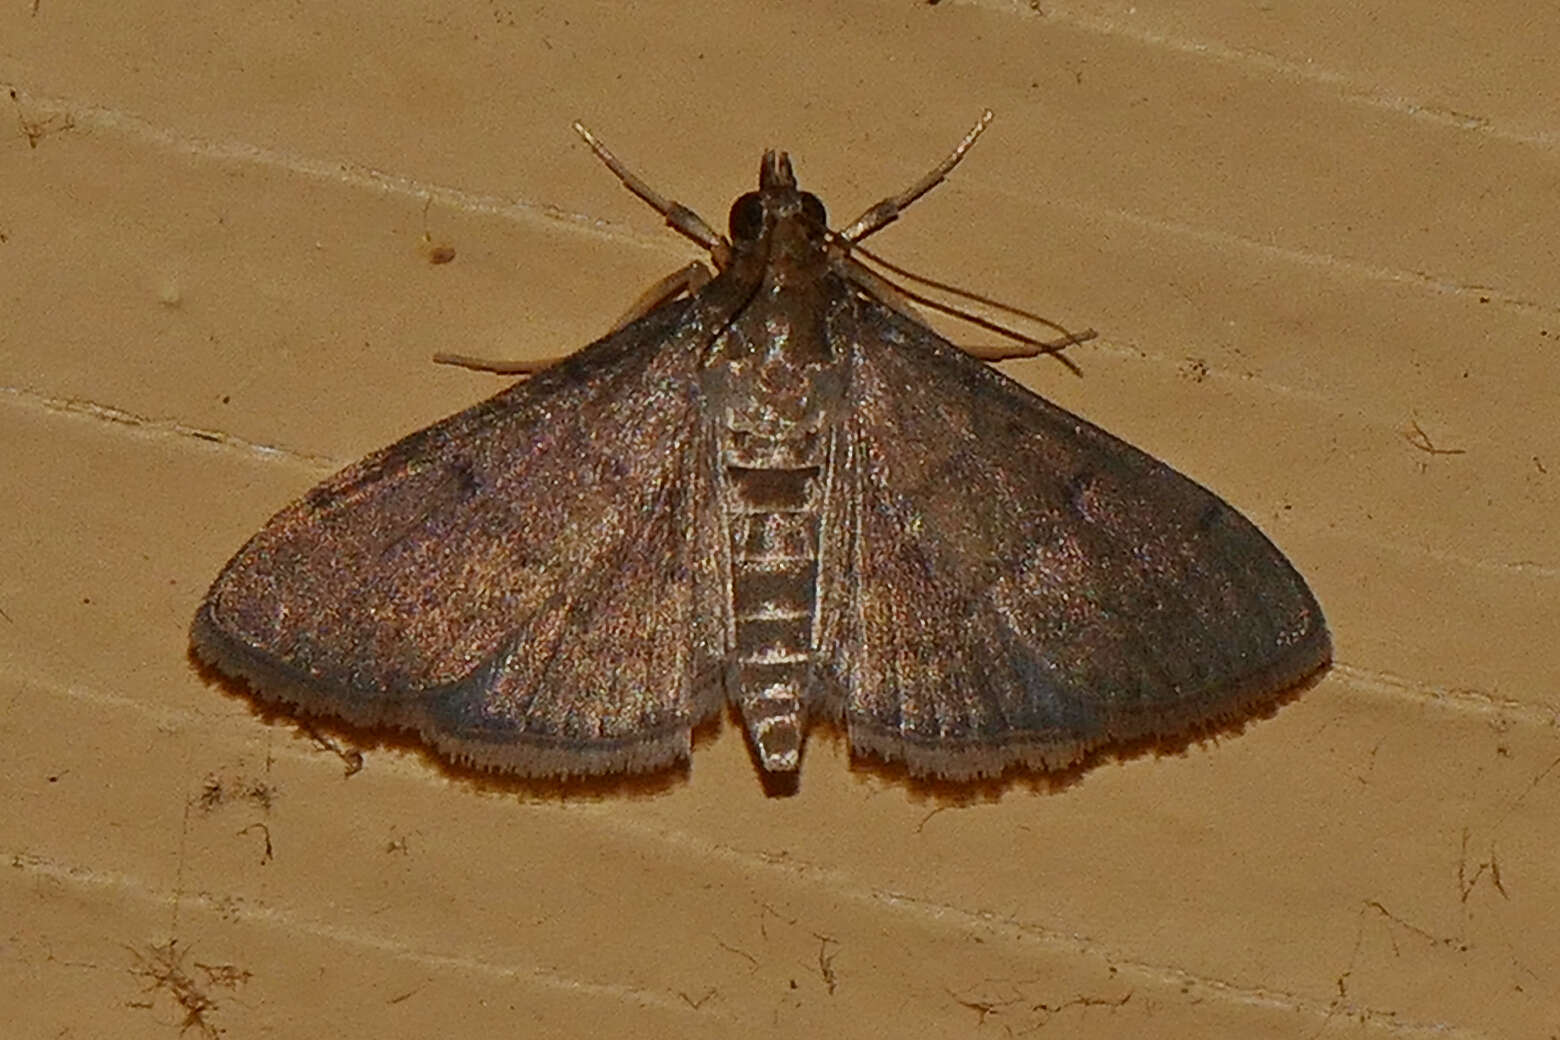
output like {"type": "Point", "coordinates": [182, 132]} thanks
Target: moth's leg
{"type": "Point", "coordinates": [887, 211]}
{"type": "Point", "coordinates": [900, 299]}
{"type": "Point", "coordinates": [688, 279]}
{"type": "Point", "coordinates": [997, 352]}
{"type": "Point", "coordinates": [503, 368]}
{"type": "Point", "coordinates": [880, 288]}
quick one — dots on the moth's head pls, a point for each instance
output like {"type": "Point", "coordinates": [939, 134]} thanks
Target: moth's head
{"type": "Point", "coordinates": [793, 221]}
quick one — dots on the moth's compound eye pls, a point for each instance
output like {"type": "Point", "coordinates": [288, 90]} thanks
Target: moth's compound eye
{"type": "Point", "coordinates": [747, 217]}
{"type": "Point", "coordinates": [813, 211]}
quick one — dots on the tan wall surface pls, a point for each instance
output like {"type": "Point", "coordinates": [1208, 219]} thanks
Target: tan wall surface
{"type": "Point", "coordinates": [1320, 244]}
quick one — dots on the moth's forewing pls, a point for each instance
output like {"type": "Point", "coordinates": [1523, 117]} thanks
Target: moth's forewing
{"type": "Point", "coordinates": [529, 584]}
{"type": "Point", "coordinates": [553, 581]}
{"type": "Point", "coordinates": [1027, 586]}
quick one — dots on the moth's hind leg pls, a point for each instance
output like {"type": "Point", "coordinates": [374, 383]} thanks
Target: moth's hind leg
{"type": "Point", "coordinates": [685, 280]}
{"type": "Point", "coordinates": [688, 279]}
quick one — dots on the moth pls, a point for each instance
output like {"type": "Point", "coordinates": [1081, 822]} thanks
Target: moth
{"type": "Point", "coordinates": [778, 489]}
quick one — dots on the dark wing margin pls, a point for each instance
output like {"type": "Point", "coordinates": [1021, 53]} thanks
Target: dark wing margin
{"type": "Point", "coordinates": [529, 585]}
{"type": "Point", "coordinates": [1017, 587]}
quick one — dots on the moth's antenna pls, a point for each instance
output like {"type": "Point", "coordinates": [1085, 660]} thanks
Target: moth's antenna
{"type": "Point", "coordinates": [887, 211]}
{"type": "Point", "coordinates": [679, 217]}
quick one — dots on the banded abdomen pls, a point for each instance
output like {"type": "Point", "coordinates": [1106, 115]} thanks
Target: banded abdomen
{"type": "Point", "coordinates": [774, 484]}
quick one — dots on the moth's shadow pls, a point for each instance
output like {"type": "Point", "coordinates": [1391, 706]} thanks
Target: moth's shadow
{"type": "Point", "coordinates": [957, 793]}
{"type": "Point", "coordinates": [349, 742]}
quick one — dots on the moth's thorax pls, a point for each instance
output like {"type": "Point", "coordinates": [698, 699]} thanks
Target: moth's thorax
{"type": "Point", "coordinates": [796, 255]}
{"type": "Point", "coordinates": [773, 377]}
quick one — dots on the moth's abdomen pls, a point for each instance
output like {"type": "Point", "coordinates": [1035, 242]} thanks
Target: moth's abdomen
{"type": "Point", "coordinates": [774, 489]}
